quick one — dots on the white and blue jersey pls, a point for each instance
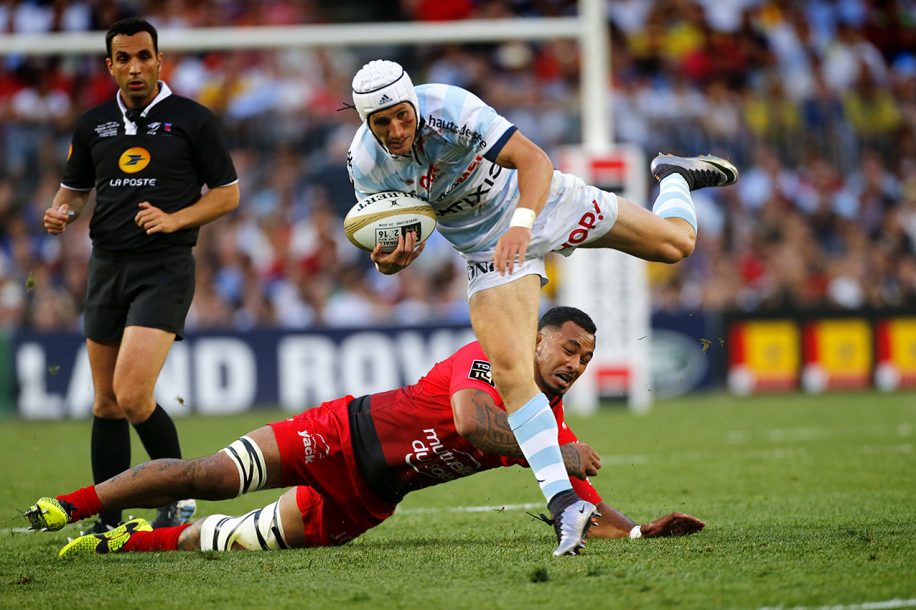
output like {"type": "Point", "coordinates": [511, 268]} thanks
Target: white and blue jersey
{"type": "Point", "coordinates": [452, 166]}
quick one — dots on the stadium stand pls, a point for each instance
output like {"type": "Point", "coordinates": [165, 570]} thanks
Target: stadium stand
{"type": "Point", "coordinates": [814, 100]}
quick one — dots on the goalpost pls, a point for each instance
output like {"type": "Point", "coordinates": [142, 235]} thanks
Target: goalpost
{"type": "Point", "coordinates": [609, 285]}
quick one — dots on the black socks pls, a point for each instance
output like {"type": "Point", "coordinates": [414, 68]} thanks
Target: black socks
{"type": "Point", "coordinates": [110, 455]}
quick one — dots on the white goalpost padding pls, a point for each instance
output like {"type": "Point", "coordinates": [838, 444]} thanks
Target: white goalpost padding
{"type": "Point", "coordinates": [610, 286]}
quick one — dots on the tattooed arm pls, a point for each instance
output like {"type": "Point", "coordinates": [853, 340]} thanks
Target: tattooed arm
{"type": "Point", "coordinates": [484, 425]}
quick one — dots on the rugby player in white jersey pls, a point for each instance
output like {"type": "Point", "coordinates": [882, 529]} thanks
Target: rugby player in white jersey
{"type": "Point", "coordinates": [501, 203]}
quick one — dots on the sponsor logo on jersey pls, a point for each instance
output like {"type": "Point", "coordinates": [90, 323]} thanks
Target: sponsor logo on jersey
{"type": "Point", "coordinates": [133, 160]}
{"type": "Point", "coordinates": [477, 269]}
{"type": "Point", "coordinates": [433, 459]}
{"type": "Point", "coordinates": [167, 127]}
{"type": "Point", "coordinates": [475, 198]}
{"type": "Point", "coordinates": [427, 179]}
{"type": "Point", "coordinates": [468, 170]}
{"type": "Point", "coordinates": [473, 138]}
{"type": "Point", "coordinates": [314, 446]}
{"type": "Point", "coordinates": [132, 182]}
{"type": "Point", "coordinates": [588, 222]}
{"type": "Point", "coordinates": [152, 128]}
{"type": "Point", "coordinates": [106, 130]}
{"type": "Point", "coordinates": [69, 152]}
{"type": "Point", "coordinates": [481, 370]}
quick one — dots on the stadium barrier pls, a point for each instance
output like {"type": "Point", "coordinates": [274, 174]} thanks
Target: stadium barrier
{"type": "Point", "coordinates": [820, 351]}
{"type": "Point", "coordinates": [46, 375]}
{"type": "Point", "coordinates": [221, 372]}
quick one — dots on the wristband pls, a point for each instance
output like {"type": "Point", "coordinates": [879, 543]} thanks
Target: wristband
{"type": "Point", "coordinates": [523, 217]}
{"type": "Point", "coordinates": [636, 532]}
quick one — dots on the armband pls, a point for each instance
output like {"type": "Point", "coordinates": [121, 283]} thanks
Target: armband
{"type": "Point", "coordinates": [523, 217]}
{"type": "Point", "coordinates": [636, 532]}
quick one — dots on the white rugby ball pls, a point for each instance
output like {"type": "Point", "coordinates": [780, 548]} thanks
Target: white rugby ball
{"type": "Point", "coordinates": [382, 217]}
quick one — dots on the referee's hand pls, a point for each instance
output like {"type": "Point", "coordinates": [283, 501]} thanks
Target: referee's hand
{"type": "Point", "coordinates": [55, 219]}
{"type": "Point", "coordinates": [153, 220]}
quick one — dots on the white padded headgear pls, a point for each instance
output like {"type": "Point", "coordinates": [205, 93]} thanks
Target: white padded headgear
{"type": "Point", "coordinates": [382, 84]}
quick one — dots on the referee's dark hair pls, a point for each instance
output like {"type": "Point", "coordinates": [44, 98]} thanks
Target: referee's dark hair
{"type": "Point", "coordinates": [555, 317]}
{"type": "Point", "coordinates": [129, 27]}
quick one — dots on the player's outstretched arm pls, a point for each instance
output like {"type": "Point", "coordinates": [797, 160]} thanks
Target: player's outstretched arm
{"type": "Point", "coordinates": [484, 425]}
{"type": "Point", "coordinates": [614, 524]}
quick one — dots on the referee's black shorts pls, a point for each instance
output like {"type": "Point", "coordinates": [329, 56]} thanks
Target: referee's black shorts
{"type": "Point", "coordinates": [151, 289]}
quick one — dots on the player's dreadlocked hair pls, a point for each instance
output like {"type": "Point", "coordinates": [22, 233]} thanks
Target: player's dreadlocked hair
{"type": "Point", "coordinates": [555, 317]}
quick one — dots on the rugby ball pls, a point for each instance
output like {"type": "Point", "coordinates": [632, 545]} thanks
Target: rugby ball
{"type": "Point", "coordinates": [382, 217]}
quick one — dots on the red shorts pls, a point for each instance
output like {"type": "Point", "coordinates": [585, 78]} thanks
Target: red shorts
{"type": "Point", "coordinates": [316, 455]}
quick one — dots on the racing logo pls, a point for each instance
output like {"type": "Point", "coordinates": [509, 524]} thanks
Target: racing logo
{"type": "Point", "coordinates": [481, 371]}
{"type": "Point", "coordinates": [134, 160]}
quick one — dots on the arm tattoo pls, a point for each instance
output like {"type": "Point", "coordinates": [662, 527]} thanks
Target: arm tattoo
{"type": "Point", "coordinates": [492, 433]}
{"type": "Point", "coordinates": [571, 459]}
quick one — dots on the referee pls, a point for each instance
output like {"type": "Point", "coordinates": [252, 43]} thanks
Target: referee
{"type": "Point", "coordinates": [147, 153]}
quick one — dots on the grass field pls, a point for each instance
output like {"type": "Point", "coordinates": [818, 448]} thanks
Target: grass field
{"type": "Point", "coordinates": [809, 502]}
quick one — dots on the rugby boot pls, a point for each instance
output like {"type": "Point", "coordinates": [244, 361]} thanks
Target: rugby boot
{"type": "Point", "coordinates": [572, 525]}
{"type": "Point", "coordinates": [700, 172]}
{"type": "Point", "coordinates": [48, 514]}
{"type": "Point", "coordinates": [177, 513]}
{"type": "Point", "coordinates": [110, 542]}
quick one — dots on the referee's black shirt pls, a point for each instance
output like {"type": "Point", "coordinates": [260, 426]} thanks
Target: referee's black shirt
{"type": "Point", "coordinates": [177, 148]}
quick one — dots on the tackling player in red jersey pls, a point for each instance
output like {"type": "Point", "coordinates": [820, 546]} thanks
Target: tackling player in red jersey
{"type": "Point", "coordinates": [351, 460]}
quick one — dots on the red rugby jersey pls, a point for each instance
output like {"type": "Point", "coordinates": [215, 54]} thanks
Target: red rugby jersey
{"type": "Point", "coordinates": [406, 439]}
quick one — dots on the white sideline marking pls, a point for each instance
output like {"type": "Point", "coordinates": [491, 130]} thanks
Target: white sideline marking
{"type": "Point", "coordinates": [808, 433]}
{"type": "Point", "coordinates": [469, 509]}
{"type": "Point", "coordinates": [410, 511]}
{"type": "Point", "coordinates": [888, 603]}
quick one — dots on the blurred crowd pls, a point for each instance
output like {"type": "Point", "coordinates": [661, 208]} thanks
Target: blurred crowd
{"type": "Point", "coordinates": [814, 100]}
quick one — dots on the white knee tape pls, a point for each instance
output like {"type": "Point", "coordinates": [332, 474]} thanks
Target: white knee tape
{"type": "Point", "coordinates": [259, 530]}
{"type": "Point", "coordinates": [250, 463]}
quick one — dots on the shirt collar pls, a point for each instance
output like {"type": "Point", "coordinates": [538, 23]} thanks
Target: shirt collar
{"type": "Point", "coordinates": [130, 128]}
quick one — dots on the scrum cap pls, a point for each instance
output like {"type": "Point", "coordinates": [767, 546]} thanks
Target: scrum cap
{"type": "Point", "coordinates": [381, 84]}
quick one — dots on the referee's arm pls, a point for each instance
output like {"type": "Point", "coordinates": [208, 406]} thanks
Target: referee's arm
{"type": "Point", "coordinates": [215, 203]}
{"type": "Point", "coordinates": [67, 205]}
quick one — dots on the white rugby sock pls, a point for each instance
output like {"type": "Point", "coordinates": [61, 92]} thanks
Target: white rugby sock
{"type": "Point", "coordinates": [535, 429]}
{"type": "Point", "coordinates": [674, 200]}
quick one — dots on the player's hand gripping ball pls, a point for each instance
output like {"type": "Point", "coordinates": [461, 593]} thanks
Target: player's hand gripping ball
{"type": "Point", "coordinates": [381, 218]}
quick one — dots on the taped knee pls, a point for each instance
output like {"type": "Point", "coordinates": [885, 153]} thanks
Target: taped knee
{"type": "Point", "coordinates": [250, 463]}
{"type": "Point", "coordinates": [259, 530]}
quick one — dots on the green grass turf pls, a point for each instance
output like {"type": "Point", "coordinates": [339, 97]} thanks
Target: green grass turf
{"type": "Point", "coordinates": [809, 501]}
